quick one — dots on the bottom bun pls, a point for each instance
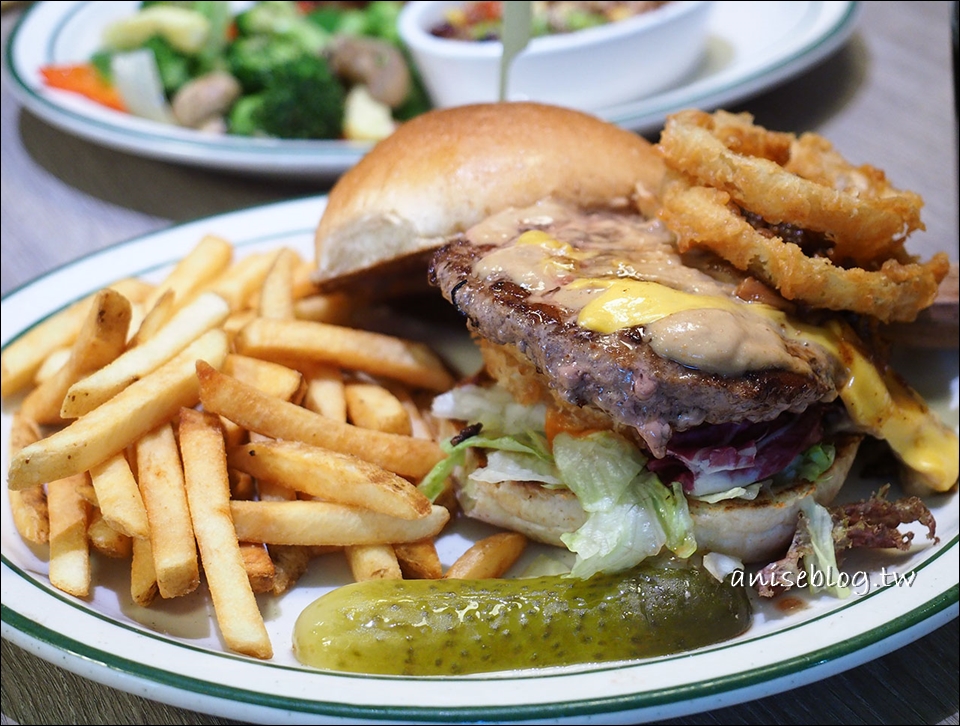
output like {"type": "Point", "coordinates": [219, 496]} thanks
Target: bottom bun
{"type": "Point", "coordinates": [757, 530]}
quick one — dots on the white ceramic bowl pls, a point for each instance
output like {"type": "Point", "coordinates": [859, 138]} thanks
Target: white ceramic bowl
{"type": "Point", "coordinates": [587, 69]}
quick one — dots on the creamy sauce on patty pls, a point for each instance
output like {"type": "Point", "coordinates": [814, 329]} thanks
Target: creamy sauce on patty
{"type": "Point", "coordinates": [607, 271]}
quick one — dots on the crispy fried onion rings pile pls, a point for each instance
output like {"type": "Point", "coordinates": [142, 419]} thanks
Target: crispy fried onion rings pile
{"type": "Point", "coordinates": [793, 213]}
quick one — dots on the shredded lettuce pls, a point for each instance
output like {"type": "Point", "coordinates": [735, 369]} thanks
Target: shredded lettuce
{"type": "Point", "coordinates": [598, 468]}
{"type": "Point", "coordinates": [675, 516]}
{"type": "Point", "coordinates": [530, 445]}
{"type": "Point", "coordinates": [527, 449]}
{"type": "Point", "coordinates": [631, 515]}
{"type": "Point", "coordinates": [821, 562]}
{"type": "Point", "coordinates": [615, 539]}
{"type": "Point", "coordinates": [490, 406]}
{"type": "Point", "coordinates": [517, 466]}
{"type": "Point", "coordinates": [506, 426]}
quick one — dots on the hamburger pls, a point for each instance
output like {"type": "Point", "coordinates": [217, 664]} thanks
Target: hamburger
{"type": "Point", "coordinates": [635, 399]}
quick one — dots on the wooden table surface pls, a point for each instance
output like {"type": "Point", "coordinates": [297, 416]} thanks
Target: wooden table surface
{"type": "Point", "coordinates": [886, 97]}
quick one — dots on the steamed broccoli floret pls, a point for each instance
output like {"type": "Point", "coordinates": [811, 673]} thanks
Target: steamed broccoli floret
{"type": "Point", "coordinates": [301, 100]}
{"type": "Point", "coordinates": [252, 60]}
{"type": "Point", "coordinates": [242, 119]}
{"type": "Point", "coordinates": [377, 19]}
{"type": "Point", "coordinates": [175, 68]}
{"type": "Point", "coordinates": [381, 18]}
{"type": "Point", "coordinates": [284, 19]}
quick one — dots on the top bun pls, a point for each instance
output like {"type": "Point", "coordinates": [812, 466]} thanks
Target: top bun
{"type": "Point", "coordinates": [444, 171]}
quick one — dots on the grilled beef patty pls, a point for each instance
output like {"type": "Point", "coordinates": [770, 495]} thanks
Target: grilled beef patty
{"type": "Point", "coordinates": [530, 330]}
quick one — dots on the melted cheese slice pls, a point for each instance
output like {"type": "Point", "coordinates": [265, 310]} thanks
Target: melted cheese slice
{"type": "Point", "coordinates": [630, 303]}
{"type": "Point", "coordinates": [881, 405]}
{"type": "Point", "coordinates": [892, 411]}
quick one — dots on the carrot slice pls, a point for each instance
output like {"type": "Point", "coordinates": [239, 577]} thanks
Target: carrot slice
{"type": "Point", "coordinates": [85, 79]}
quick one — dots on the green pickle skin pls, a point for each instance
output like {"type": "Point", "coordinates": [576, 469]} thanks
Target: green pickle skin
{"type": "Point", "coordinates": [455, 627]}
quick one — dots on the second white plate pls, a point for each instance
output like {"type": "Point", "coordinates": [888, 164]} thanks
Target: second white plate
{"type": "Point", "coordinates": [752, 46]}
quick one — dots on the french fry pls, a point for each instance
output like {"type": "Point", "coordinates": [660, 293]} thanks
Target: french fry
{"type": "Point", "coordinates": [89, 494]}
{"type": "Point", "coordinates": [276, 294]}
{"type": "Point", "coordinates": [278, 419]}
{"type": "Point", "coordinates": [70, 569]}
{"type": "Point", "coordinates": [269, 491]}
{"type": "Point", "coordinates": [172, 541]}
{"type": "Point", "coordinates": [330, 476]}
{"type": "Point", "coordinates": [22, 357]}
{"type": "Point", "coordinates": [419, 560]}
{"type": "Point", "coordinates": [418, 413]}
{"type": "Point", "coordinates": [271, 378]}
{"type": "Point", "coordinates": [332, 308]}
{"type": "Point", "coordinates": [143, 576]}
{"type": "Point", "coordinates": [208, 491]}
{"type": "Point", "coordinates": [28, 507]}
{"type": "Point", "coordinates": [289, 564]}
{"type": "Point", "coordinates": [118, 496]}
{"type": "Point", "coordinates": [120, 421]}
{"type": "Point", "coordinates": [373, 562]}
{"type": "Point", "coordinates": [30, 514]}
{"type": "Point", "coordinates": [51, 364]}
{"type": "Point", "coordinates": [306, 522]}
{"type": "Point", "coordinates": [371, 406]}
{"type": "Point", "coordinates": [333, 437]}
{"type": "Point", "coordinates": [325, 392]}
{"type": "Point", "coordinates": [199, 268]}
{"type": "Point", "coordinates": [407, 361]}
{"type": "Point", "coordinates": [238, 283]}
{"type": "Point", "coordinates": [206, 312]}
{"type": "Point", "coordinates": [237, 320]}
{"type": "Point", "coordinates": [489, 557]}
{"type": "Point", "coordinates": [106, 540]}
{"type": "Point", "coordinates": [289, 561]}
{"type": "Point", "coordinates": [101, 339]}
{"type": "Point", "coordinates": [242, 485]}
{"type": "Point", "coordinates": [153, 319]}
{"type": "Point", "coordinates": [259, 566]}
{"type": "Point", "coordinates": [303, 283]}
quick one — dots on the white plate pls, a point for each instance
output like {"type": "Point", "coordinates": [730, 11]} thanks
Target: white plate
{"type": "Point", "coordinates": [171, 651]}
{"type": "Point", "coordinates": [752, 46]}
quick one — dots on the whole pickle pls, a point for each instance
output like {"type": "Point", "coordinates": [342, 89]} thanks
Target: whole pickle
{"type": "Point", "coordinates": [451, 627]}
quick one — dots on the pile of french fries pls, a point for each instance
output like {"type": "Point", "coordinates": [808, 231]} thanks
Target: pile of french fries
{"type": "Point", "coordinates": [225, 426]}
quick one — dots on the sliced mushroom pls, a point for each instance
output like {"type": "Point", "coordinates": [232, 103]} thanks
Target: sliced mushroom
{"type": "Point", "coordinates": [377, 64]}
{"type": "Point", "coordinates": [204, 98]}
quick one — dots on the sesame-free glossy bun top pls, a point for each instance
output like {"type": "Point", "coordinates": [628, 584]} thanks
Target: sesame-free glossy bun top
{"type": "Point", "coordinates": [442, 172]}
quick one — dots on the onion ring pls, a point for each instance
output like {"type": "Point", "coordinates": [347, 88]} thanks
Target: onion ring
{"type": "Point", "coordinates": [896, 291]}
{"type": "Point", "coordinates": [802, 181]}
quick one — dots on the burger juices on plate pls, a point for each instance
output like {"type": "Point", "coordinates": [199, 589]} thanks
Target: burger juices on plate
{"type": "Point", "coordinates": [672, 363]}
